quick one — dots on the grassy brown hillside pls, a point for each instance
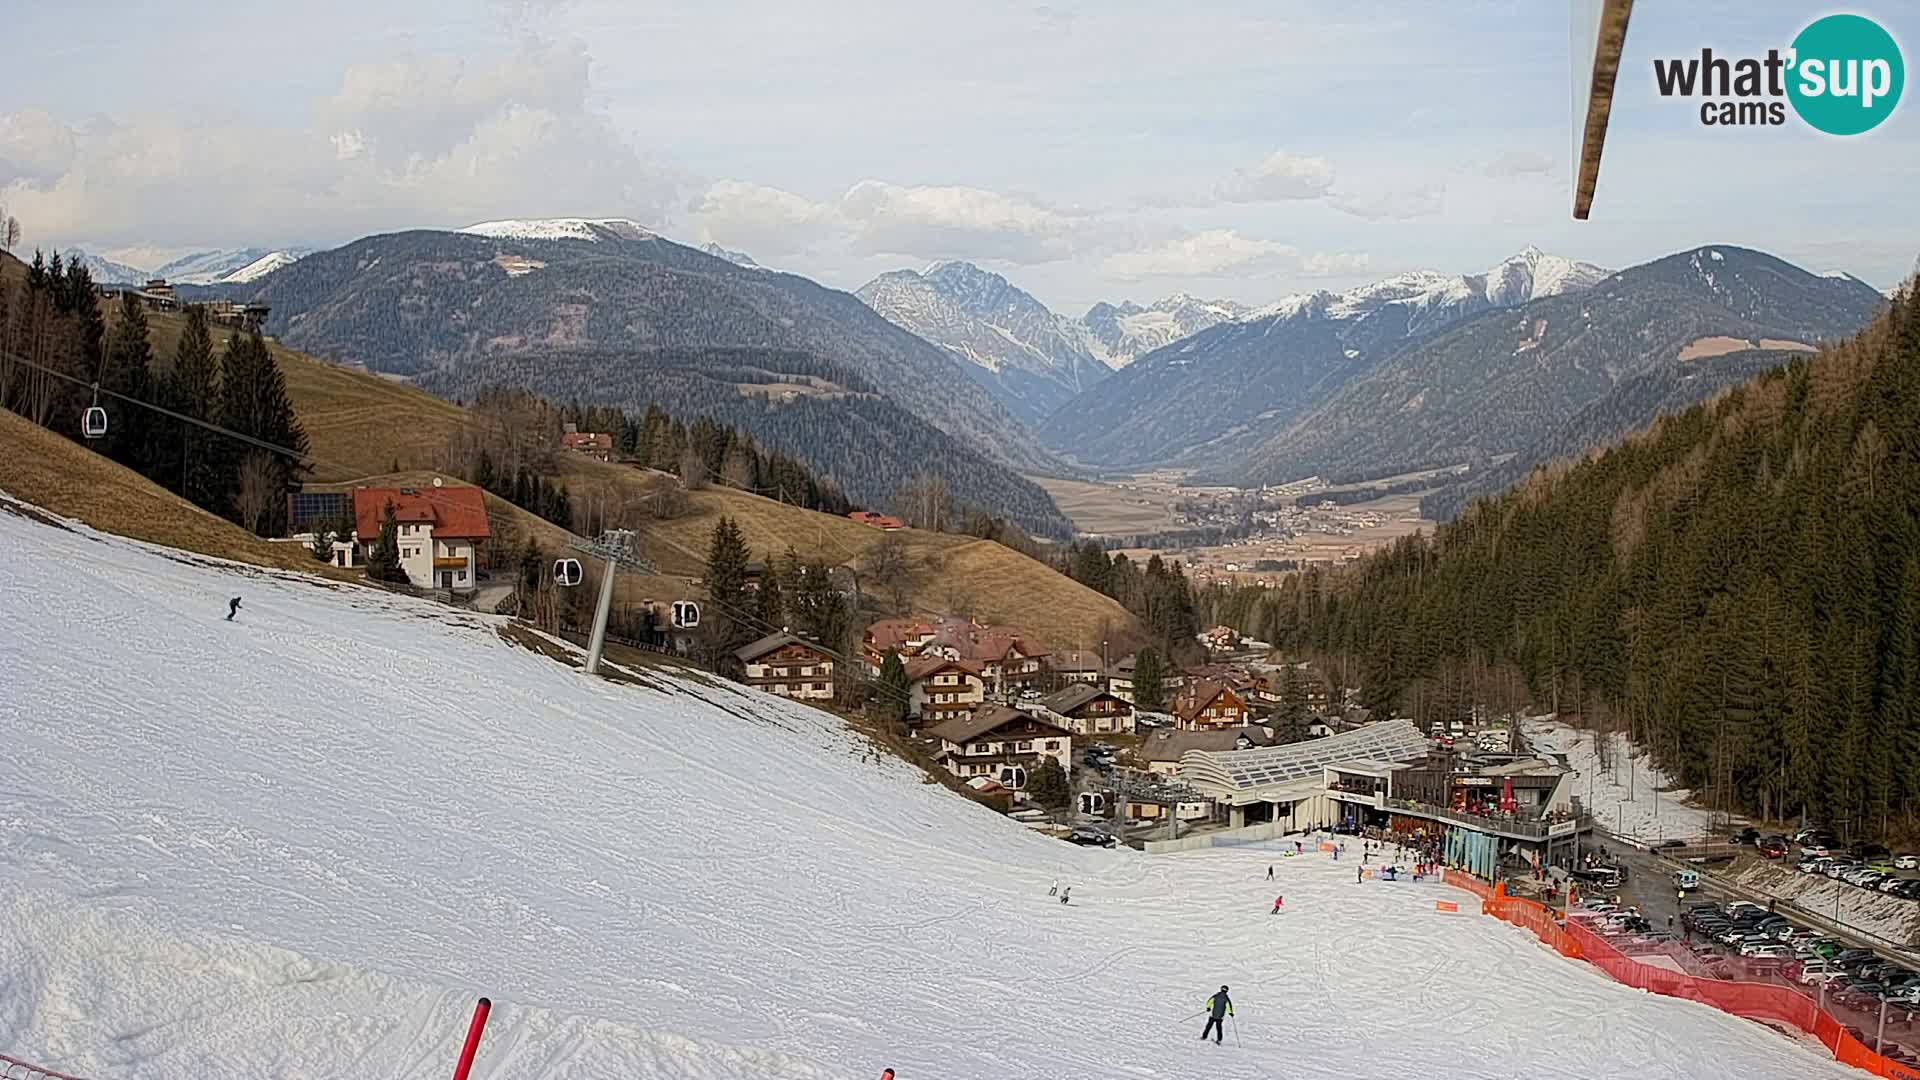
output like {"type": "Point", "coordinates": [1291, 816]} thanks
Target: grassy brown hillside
{"type": "Point", "coordinates": [361, 426]}
{"type": "Point", "coordinates": [56, 473]}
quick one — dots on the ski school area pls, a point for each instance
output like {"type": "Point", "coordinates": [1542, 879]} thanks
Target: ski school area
{"type": "Point", "coordinates": [307, 840]}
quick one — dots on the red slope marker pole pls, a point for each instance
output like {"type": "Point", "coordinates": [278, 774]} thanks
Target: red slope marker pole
{"type": "Point", "coordinates": [473, 1039]}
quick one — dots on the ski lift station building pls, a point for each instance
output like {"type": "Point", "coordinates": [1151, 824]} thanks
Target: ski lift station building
{"type": "Point", "coordinates": [1389, 775]}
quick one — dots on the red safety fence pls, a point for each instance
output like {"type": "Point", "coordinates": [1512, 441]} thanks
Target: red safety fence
{"type": "Point", "coordinates": [1782, 1003]}
{"type": "Point", "coordinates": [15, 1069]}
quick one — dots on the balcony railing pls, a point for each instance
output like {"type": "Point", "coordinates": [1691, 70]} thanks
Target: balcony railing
{"type": "Point", "coordinates": [1512, 824]}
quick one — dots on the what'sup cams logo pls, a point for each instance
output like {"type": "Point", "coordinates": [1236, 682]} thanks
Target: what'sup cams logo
{"type": "Point", "coordinates": [1842, 75]}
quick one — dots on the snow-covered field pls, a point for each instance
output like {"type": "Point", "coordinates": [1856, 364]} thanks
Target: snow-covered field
{"type": "Point", "coordinates": [1631, 799]}
{"type": "Point", "coordinates": [299, 844]}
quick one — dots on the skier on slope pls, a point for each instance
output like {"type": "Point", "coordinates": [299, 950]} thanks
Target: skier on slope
{"type": "Point", "coordinates": [1269, 872]}
{"type": "Point", "coordinates": [1054, 889]}
{"type": "Point", "coordinates": [1064, 893]}
{"type": "Point", "coordinates": [1276, 905]}
{"type": "Point", "coordinates": [1359, 874]}
{"type": "Point", "coordinates": [1218, 1005]}
{"type": "Point", "coordinates": [233, 606]}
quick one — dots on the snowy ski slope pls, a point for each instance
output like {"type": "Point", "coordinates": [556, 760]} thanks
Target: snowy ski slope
{"type": "Point", "coordinates": [299, 844]}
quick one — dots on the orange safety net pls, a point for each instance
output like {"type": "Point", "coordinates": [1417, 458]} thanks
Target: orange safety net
{"type": "Point", "coordinates": [1775, 1003]}
{"type": "Point", "coordinates": [1460, 879]}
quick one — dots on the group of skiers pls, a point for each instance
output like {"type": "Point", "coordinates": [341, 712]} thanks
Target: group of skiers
{"type": "Point", "coordinates": [1056, 890]}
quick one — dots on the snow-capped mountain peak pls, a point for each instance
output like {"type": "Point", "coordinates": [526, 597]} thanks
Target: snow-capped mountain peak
{"type": "Point", "coordinates": [591, 229]}
{"type": "Point", "coordinates": [737, 258]}
{"type": "Point", "coordinates": [230, 266]}
{"type": "Point", "coordinates": [1031, 358]}
{"type": "Point", "coordinates": [261, 267]}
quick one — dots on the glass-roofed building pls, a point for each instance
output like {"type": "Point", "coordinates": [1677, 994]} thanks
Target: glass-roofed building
{"type": "Point", "coordinates": [1288, 783]}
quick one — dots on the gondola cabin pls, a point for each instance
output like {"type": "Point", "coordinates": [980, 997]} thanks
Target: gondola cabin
{"type": "Point", "coordinates": [566, 572]}
{"type": "Point", "coordinates": [94, 422]}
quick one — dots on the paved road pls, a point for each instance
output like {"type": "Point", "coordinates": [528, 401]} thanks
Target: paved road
{"type": "Point", "coordinates": [1649, 883]}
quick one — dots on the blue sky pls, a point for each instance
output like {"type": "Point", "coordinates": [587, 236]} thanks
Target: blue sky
{"type": "Point", "coordinates": [1088, 151]}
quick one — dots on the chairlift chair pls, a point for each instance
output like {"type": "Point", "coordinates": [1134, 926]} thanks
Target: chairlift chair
{"type": "Point", "coordinates": [566, 572]}
{"type": "Point", "coordinates": [686, 614]}
{"type": "Point", "coordinates": [94, 422]}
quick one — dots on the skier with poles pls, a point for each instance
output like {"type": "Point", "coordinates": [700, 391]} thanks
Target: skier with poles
{"type": "Point", "coordinates": [1218, 1005]}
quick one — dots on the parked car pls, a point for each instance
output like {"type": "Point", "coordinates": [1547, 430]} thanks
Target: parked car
{"type": "Point", "coordinates": [1817, 971]}
{"type": "Point", "coordinates": [1866, 852]}
{"type": "Point", "coordinates": [1906, 860]}
{"type": "Point", "coordinates": [1815, 849]}
{"type": "Point", "coordinates": [1773, 847]}
{"type": "Point", "coordinates": [1092, 838]}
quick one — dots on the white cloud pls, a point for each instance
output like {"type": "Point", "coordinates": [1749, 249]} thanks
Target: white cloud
{"type": "Point", "coordinates": [418, 140]}
{"type": "Point", "coordinates": [1220, 251]}
{"type": "Point", "coordinates": [762, 219]}
{"type": "Point", "coordinates": [1278, 176]}
{"type": "Point", "coordinates": [1511, 163]}
{"type": "Point", "coordinates": [34, 147]}
{"type": "Point", "coordinates": [1396, 205]}
{"type": "Point", "coordinates": [965, 223]}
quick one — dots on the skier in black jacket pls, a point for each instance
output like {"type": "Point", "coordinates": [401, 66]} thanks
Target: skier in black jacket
{"type": "Point", "coordinates": [1218, 1005]}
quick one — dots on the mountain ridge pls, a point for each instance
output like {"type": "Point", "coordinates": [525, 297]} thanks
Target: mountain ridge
{"type": "Point", "coordinates": [1492, 384]}
{"type": "Point", "coordinates": [1210, 397]}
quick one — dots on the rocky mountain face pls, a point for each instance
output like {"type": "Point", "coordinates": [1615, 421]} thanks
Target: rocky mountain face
{"type": "Point", "coordinates": [1031, 359]}
{"type": "Point", "coordinates": [1119, 334]}
{"type": "Point", "coordinates": [1207, 399]}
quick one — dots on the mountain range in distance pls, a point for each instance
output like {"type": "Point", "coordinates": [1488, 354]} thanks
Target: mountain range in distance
{"type": "Point", "coordinates": [1032, 359]}
{"type": "Point", "coordinates": [229, 266]}
{"type": "Point", "coordinates": [1537, 357]}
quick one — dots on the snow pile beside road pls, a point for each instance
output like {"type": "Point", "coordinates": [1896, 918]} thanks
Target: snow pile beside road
{"type": "Point", "coordinates": [300, 844]}
{"type": "Point", "coordinates": [1631, 799]}
{"type": "Point", "coordinates": [1891, 917]}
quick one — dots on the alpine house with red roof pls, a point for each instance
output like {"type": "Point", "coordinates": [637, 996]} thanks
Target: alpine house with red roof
{"type": "Point", "coordinates": [440, 530]}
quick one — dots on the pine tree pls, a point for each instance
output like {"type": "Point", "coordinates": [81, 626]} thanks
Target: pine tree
{"type": "Point", "coordinates": [192, 388]}
{"type": "Point", "coordinates": [256, 403]}
{"type": "Point", "coordinates": [891, 698]}
{"type": "Point", "coordinates": [725, 620]}
{"type": "Point", "coordinates": [1148, 693]}
{"type": "Point", "coordinates": [769, 606]}
{"type": "Point", "coordinates": [125, 372]}
{"type": "Point", "coordinates": [383, 561]}
{"type": "Point", "coordinates": [1047, 784]}
{"type": "Point", "coordinates": [1293, 714]}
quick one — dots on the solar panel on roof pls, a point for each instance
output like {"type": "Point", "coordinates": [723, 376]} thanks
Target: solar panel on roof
{"type": "Point", "coordinates": [1395, 740]}
{"type": "Point", "coordinates": [309, 507]}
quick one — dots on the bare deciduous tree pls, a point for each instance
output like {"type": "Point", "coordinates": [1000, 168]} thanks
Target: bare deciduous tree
{"type": "Point", "coordinates": [693, 470]}
{"type": "Point", "coordinates": [889, 567]}
{"type": "Point", "coordinates": [254, 497]}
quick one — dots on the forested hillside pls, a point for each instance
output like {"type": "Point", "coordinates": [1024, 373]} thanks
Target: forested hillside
{"type": "Point", "coordinates": [1739, 587]}
{"type": "Point", "coordinates": [1625, 409]}
{"type": "Point", "coordinates": [818, 412]}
